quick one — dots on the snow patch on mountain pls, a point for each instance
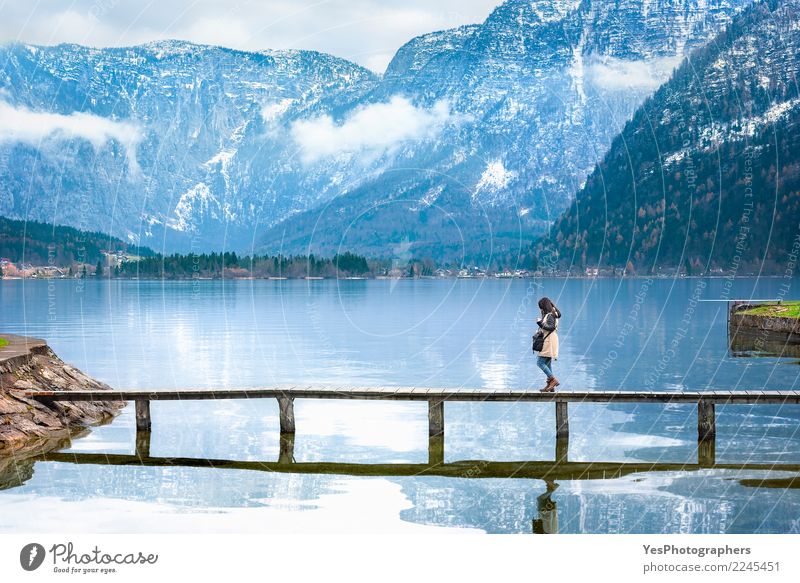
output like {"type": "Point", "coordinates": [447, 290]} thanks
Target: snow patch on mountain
{"type": "Point", "coordinates": [429, 198]}
{"type": "Point", "coordinates": [494, 179]}
{"type": "Point", "coordinates": [718, 133]}
{"type": "Point", "coordinates": [778, 110]}
{"type": "Point", "coordinates": [547, 10]}
{"type": "Point", "coordinates": [195, 201]}
{"type": "Point", "coordinates": [223, 158]}
{"type": "Point", "coordinates": [746, 127]}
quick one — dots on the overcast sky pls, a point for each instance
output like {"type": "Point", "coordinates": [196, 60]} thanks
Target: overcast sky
{"type": "Point", "coordinates": [365, 31]}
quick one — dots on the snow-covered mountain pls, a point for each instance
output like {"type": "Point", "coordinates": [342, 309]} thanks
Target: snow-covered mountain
{"type": "Point", "coordinates": [470, 144]}
{"type": "Point", "coordinates": [537, 93]}
{"type": "Point", "coordinates": [171, 144]}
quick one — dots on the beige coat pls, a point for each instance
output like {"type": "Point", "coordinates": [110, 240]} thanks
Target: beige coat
{"type": "Point", "coordinates": [550, 348]}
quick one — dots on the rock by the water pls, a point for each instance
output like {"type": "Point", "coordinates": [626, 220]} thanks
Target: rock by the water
{"type": "Point", "coordinates": [29, 364]}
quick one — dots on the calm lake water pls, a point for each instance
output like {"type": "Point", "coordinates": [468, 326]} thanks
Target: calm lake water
{"type": "Point", "coordinates": [628, 334]}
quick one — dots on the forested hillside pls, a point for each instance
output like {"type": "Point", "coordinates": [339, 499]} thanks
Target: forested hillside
{"type": "Point", "coordinates": [707, 174]}
{"type": "Point", "coordinates": [43, 244]}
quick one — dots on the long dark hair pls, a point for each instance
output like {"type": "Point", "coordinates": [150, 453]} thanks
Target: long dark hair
{"type": "Point", "coordinates": [546, 305]}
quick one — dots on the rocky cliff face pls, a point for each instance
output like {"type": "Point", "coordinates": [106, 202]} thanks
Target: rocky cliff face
{"type": "Point", "coordinates": [25, 423]}
{"type": "Point", "coordinates": [474, 140]}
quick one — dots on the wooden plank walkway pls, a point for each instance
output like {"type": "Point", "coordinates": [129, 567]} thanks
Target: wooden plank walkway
{"type": "Point", "coordinates": [436, 398]}
{"type": "Point", "coordinates": [744, 397]}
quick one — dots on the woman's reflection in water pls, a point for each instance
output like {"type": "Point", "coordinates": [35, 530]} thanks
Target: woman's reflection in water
{"type": "Point", "coordinates": [547, 522]}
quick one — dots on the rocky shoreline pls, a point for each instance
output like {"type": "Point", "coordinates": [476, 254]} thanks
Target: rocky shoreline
{"type": "Point", "coordinates": [29, 424]}
{"type": "Point", "coordinates": [767, 332]}
{"type": "Point", "coordinates": [772, 321]}
{"type": "Point", "coordinates": [777, 324]}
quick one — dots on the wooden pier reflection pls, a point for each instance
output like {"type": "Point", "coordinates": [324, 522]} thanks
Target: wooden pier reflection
{"type": "Point", "coordinates": [544, 519]}
{"type": "Point", "coordinates": [549, 470]}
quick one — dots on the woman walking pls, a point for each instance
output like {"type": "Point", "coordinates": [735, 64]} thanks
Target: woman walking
{"type": "Point", "coordinates": [548, 329]}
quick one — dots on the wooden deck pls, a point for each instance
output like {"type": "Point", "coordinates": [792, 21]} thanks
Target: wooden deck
{"type": "Point", "coordinates": [744, 397]}
{"type": "Point", "coordinates": [436, 398]}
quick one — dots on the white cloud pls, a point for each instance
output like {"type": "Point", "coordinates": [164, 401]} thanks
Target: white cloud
{"type": "Point", "coordinates": [373, 129]}
{"type": "Point", "coordinates": [19, 124]}
{"type": "Point", "coordinates": [618, 74]}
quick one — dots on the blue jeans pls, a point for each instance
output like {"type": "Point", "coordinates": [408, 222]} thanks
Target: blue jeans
{"type": "Point", "coordinates": [544, 363]}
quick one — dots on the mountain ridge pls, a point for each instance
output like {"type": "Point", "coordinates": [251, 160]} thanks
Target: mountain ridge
{"type": "Point", "coordinates": [542, 119]}
{"type": "Point", "coordinates": [520, 105]}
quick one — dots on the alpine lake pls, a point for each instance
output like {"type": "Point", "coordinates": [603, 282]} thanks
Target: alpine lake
{"type": "Point", "coordinates": [615, 334]}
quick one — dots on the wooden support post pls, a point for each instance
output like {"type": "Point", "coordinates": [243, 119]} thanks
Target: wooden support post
{"type": "Point", "coordinates": [562, 419]}
{"type": "Point", "coordinates": [435, 418]}
{"type": "Point", "coordinates": [436, 449]}
{"type": "Point", "coordinates": [142, 443]}
{"type": "Point", "coordinates": [706, 433]}
{"type": "Point", "coordinates": [562, 449]}
{"type": "Point", "coordinates": [706, 420]}
{"type": "Point", "coordinates": [707, 452]}
{"type": "Point", "coordinates": [143, 415]}
{"type": "Point", "coordinates": [286, 409]}
{"type": "Point", "coordinates": [286, 448]}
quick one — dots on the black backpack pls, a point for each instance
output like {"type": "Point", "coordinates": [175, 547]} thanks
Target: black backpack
{"type": "Point", "coordinates": [537, 342]}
